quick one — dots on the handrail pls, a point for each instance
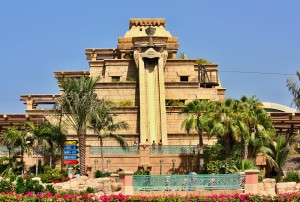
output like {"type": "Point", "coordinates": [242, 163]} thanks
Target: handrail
{"type": "Point", "coordinates": [189, 182]}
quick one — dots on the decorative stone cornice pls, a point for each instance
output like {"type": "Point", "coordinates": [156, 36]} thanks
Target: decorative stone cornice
{"type": "Point", "coordinates": [68, 74]}
{"type": "Point", "coordinates": [147, 22]}
{"type": "Point", "coordinates": [116, 85]}
{"type": "Point", "coordinates": [9, 120]}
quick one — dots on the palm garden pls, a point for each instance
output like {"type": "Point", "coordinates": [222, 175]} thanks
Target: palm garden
{"type": "Point", "coordinates": [242, 128]}
{"type": "Point", "coordinates": [77, 109]}
{"type": "Point", "coordinates": [34, 140]}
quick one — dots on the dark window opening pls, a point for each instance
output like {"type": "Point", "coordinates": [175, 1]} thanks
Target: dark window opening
{"type": "Point", "coordinates": [115, 78]}
{"type": "Point", "coordinates": [184, 78]}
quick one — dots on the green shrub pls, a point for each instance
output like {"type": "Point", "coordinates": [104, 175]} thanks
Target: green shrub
{"type": "Point", "coordinates": [247, 164]}
{"type": "Point", "coordinates": [175, 102]}
{"type": "Point", "coordinates": [10, 165]}
{"type": "Point", "coordinates": [292, 176]}
{"type": "Point", "coordinates": [222, 167]}
{"type": "Point", "coordinates": [20, 186]}
{"type": "Point", "coordinates": [90, 190]}
{"type": "Point", "coordinates": [202, 61]}
{"type": "Point", "coordinates": [125, 103]}
{"type": "Point", "coordinates": [142, 172]}
{"type": "Point", "coordinates": [51, 189]}
{"type": "Point", "coordinates": [28, 186]}
{"type": "Point", "coordinates": [5, 186]}
{"type": "Point", "coordinates": [212, 153]}
{"type": "Point", "coordinates": [53, 175]}
{"type": "Point", "coordinates": [99, 174]}
{"type": "Point", "coordinates": [12, 177]}
{"type": "Point", "coordinates": [261, 175]}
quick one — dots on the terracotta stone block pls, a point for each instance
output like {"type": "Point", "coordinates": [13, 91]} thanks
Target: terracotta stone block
{"type": "Point", "coordinates": [147, 193]}
{"type": "Point", "coordinates": [181, 193]}
{"type": "Point", "coordinates": [170, 193]}
{"type": "Point", "coordinates": [193, 193]}
{"type": "Point", "coordinates": [157, 193]}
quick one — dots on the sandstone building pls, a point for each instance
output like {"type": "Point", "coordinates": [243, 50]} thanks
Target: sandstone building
{"type": "Point", "coordinates": [149, 84]}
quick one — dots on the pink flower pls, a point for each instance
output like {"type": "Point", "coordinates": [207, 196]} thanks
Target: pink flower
{"type": "Point", "coordinates": [39, 195]}
{"type": "Point", "coordinates": [30, 193]}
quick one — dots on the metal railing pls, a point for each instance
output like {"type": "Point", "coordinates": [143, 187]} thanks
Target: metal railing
{"type": "Point", "coordinates": [173, 149]}
{"type": "Point", "coordinates": [188, 182]}
{"type": "Point", "coordinates": [133, 150]}
{"type": "Point", "coordinates": [117, 150]}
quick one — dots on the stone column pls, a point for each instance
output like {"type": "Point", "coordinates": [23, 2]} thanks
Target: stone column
{"type": "Point", "coordinates": [143, 101]}
{"type": "Point", "coordinates": [251, 181]}
{"type": "Point", "coordinates": [162, 94]}
{"type": "Point", "coordinates": [29, 104]}
{"type": "Point", "coordinates": [126, 181]}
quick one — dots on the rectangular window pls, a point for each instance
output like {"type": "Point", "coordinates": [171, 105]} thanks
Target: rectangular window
{"type": "Point", "coordinates": [115, 78]}
{"type": "Point", "coordinates": [184, 78]}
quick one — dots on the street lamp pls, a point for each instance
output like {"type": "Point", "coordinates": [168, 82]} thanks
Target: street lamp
{"type": "Point", "coordinates": [161, 165]}
{"type": "Point", "coordinates": [108, 162]}
{"type": "Point", "coordinates": [95, 161]}
{"type": "Point", "coordinates": [173, 166]}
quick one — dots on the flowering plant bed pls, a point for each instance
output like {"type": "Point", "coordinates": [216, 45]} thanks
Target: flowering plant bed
{"type": "Point", "coordinates": [48, 196]}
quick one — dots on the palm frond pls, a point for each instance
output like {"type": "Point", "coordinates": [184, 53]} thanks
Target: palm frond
{"type": "Point", "coordinates": [119, 139]}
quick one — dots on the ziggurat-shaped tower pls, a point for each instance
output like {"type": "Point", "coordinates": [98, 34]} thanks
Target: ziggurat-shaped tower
{"type": "Point", "coordinates": [147, 82]}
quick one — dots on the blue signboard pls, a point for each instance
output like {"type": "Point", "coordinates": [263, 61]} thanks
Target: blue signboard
{"type": "Point", "coordinates": [70, 147]}
{"type": "Point", "coordinates": [70, 151]}
{"type": "Point", "coordinates": [71, 157]}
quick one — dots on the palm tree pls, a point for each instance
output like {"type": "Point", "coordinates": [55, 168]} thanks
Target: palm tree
{"type": "Point", "coordinates": [9, 139]}
{"type": "Point", "coordinates": [226, 122]}
{"type": "Point", "coordinates": [37, 139]}
{"type": "Point", "coordinates": [256, 125]}
{"type": "Point", "coordinates": [103, 124]}
{"type": "Point", "coordinates": [15, 139]}
{"type": "Point", "coordinates": [78, 104]}
{"type": "Point", "coordinates": [197, 119]}
{"type": "Point", "coordinates": [278, 151]}
{"type": "Point", "coordinates": [56, 137]}
{"type": "Point", "coordinates": [294, 88]}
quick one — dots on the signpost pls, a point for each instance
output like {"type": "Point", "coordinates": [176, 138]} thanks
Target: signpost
{"type": "Point", "coordinates": [70, 152]}
{"type": "Point", "coordinates": [70, 155]}
{"type": "Point", "coordinates": [70, 162]}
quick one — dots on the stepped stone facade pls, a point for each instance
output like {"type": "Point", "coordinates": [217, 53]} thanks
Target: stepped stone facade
{"type": "Point", "coordinates": [148, 83]}
{"type": "Point", "coordinates": [144, 72]}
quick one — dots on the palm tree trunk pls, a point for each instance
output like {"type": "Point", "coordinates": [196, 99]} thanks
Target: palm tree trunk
{"type": "Point", "coordinates": [82, 152]}
{"type": "Point", "coordinates": [246, 151]}
{"type": "Point", "coordinates": [227, 145]}
{"type": "Point", "coordinates": [102, 157]}
{"type": "Point", "coordinates": [61, 157]}
{"type": "Point", "coordinates": [200, 151]}
{"type": "Point", "coordinates": [50, 161]}
{"type": "Point", "coordinates": [22, 159]}
{"type": "Point", "coordinates": [37, 164]}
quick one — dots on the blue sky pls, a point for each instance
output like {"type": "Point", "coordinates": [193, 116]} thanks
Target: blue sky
{"type": "Point", "coordinates": [40, 37]}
